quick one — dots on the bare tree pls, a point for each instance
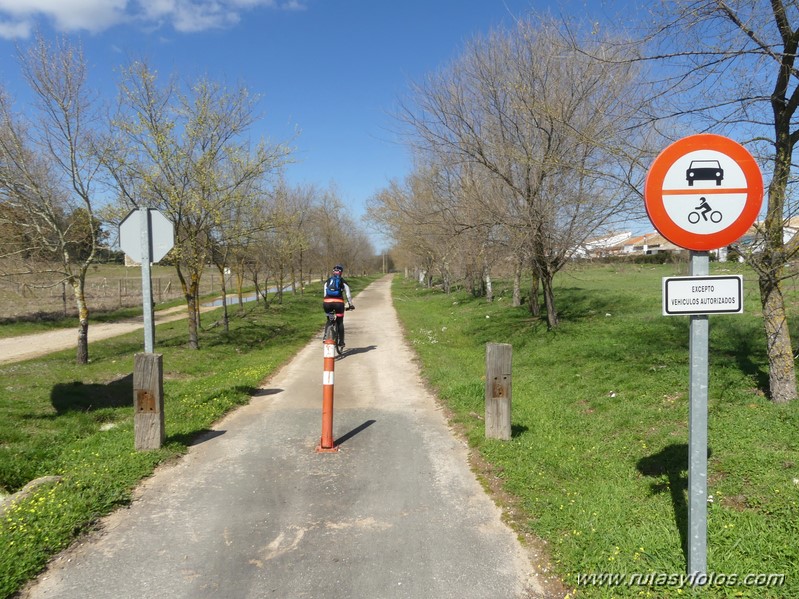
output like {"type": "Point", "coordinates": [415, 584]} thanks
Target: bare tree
{"type": "Point", "coordinates": [338, 239]}
{"type": "Point", "coordinates": [235, 222]}
{"type": "Point", "coordinates": [417, 215]}
{"type": "Point", "coordinates": [546, 122]}
{"type": "Point", "coordinates": [733, 70]}
{"type": "Point", "coordinates": [183, 151]}
{"type": "Point", "coordinates": [49, 173]}
{"type": "Point", "coordinates": [300, 201]}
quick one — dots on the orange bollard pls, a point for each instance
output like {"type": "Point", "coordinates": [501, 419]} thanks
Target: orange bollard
{"type": "Point", "coordinates": [326, 444]}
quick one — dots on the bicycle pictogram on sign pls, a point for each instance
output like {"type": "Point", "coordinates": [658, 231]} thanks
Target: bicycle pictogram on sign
{"type": "Point", "coordinates": [702, 212]}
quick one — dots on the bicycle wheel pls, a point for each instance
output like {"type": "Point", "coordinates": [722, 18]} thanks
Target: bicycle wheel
{"type": "Point", "coordinates": [337, 336]}
{"type": "Point", "coordinates": [330, 331]}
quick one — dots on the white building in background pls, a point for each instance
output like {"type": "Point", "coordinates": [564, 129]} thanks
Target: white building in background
{"type": "Point", "coordinates": [626, 244]}
{"type": "Point", "coordinates": [649, 243]}
{"type": "Point", "coordinates": [607, 245]}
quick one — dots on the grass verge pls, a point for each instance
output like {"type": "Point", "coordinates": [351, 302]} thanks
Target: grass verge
{"type": "Point", "coordinates": [77, 422]}
{"type": "Point", "coordinates": [597, 464]}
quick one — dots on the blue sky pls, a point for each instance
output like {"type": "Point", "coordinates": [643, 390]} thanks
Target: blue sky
{"type": "Point", "coordinates": [331, 69]}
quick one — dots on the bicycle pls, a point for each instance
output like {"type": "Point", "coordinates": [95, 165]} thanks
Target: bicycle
{"type": "Point", "coordinates": [693, 217]}
{"type": "Point", "coordinates": [333, 329]}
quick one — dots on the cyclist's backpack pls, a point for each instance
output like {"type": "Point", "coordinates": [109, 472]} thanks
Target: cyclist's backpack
{"type": "Point", "coordinates": [334, 286]}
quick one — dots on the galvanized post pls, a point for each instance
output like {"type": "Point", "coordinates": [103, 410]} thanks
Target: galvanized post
{"type": "Point", "coordinates": [146, 283]}
{"type": "Point", "coordinates": [697, 431]}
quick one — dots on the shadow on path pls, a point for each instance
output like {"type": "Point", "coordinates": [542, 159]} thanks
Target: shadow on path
{"type": "Point", "coordinates": [353, 432]}
{"type": "Point", "coordinates": [356, 350]}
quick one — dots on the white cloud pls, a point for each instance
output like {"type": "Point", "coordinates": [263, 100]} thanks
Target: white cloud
{"type": "Point", "coordinates": [18, 17]}
{"type": "Point", "coordinates": [14, 29]}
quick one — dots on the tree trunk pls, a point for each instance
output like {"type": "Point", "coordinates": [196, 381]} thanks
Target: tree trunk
{"type": "Point", "coordinates": [302, 281]}
{"type": "Point", "coordinates": [255, 283]}
{"type": "Point", "coordinates": [487, 284]}
{"type": "Point", "coordinates": [549, 300]}
{"type": "Point", "coordinates": [782, 379]}
{"type": "Point", "coordinates": [447, 282]}
{"type": "Point", "coordinates": [82, 355]}
{"type": "Point", "coordinates": [517, 284]}
{"type": "Point", "coordinates": [535, 307]}
{"type": "Point", "coordinates": [225, 318]}
{"type": "Point", "coordinates": [190, 293]}
{"type": "Point", "coordinates": [781, 376]}
{"type": "Point", "coordinates": [191, 304]}
{"type": "Point", "coordinates": [240, 287]}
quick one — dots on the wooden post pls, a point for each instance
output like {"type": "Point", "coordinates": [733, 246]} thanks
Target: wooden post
{"type": "Point", "coordinates": [498, 390]}
{"type": "Point", "coordinates": [148, 401]}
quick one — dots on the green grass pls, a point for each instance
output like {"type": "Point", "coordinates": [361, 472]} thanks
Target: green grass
{"type": "Point", "coordinates": [77, 422]}
{"type": "Point", "coordinates": [597, 464]}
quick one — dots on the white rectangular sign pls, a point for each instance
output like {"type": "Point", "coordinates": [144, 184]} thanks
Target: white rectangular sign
{"type": "Point", "coordinates": [703, 295]}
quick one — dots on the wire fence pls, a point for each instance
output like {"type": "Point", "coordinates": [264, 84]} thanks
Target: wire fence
{"type": "Point", "coordinates": [28, 297]}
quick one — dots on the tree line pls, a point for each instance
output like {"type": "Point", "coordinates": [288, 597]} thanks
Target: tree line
{"type": "Point", "coordinates": [538, 137]}
{"type": "Point", "coordinates": [72, 167]}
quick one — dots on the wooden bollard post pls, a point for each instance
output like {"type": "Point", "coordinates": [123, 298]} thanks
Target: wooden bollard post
{"type": "Point", "coordinates": [148, 401]}
{"type": "Point", "coordinates": [498, 390]}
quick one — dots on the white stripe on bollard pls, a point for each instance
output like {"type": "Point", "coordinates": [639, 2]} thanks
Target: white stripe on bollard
{"type": "Point", "coordinates": [327, 378]}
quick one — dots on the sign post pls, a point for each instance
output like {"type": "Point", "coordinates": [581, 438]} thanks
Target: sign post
{"type": "Point", "coordinates": [699, 332]}
{"type": "Point", "coordinates": [146, 236]}
{"type": "Point", "coordinates": [703, 192]}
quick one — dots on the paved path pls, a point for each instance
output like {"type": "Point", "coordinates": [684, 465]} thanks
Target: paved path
{"type": "Point", "coordinates": [253, 511]}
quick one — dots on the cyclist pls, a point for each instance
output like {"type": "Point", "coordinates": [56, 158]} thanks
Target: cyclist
{"type": "Point", "coordinates": [704, 207]}
{"type": "Point", "coordinates": [336, 289]}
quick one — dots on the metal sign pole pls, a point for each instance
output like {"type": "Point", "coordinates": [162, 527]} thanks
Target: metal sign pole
{"type": "Point", "coordinates": [697, 431]}
{"type": "Point", "coordinates": [146, 282]}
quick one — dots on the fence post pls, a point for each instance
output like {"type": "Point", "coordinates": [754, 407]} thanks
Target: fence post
{"type": "Point", "coordinates": [148, 401]}
{"type": "Point", "coordinates": [498, 391]}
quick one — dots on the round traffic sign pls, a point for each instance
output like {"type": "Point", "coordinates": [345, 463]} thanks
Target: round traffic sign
{"type": "Point", "coordinates": [703, 192]}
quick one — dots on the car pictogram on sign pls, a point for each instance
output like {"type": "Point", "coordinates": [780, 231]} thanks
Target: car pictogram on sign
{"type": "Point", "coordinates": [704, 170]}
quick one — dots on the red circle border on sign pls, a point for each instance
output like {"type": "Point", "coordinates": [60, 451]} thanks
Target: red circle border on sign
{"type": "Point", "coordinates": [653, 192]}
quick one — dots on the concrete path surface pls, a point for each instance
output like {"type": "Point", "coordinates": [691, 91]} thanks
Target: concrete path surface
{"type": "Point", "coordinates": [254, 511]}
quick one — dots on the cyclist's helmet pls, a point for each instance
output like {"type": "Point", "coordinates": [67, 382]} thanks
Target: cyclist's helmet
{"type": "Point", "coordinates": [338, 268]}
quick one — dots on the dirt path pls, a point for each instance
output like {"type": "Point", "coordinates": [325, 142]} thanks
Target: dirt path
{"type": "Point", "coordinates": [25, 347]}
